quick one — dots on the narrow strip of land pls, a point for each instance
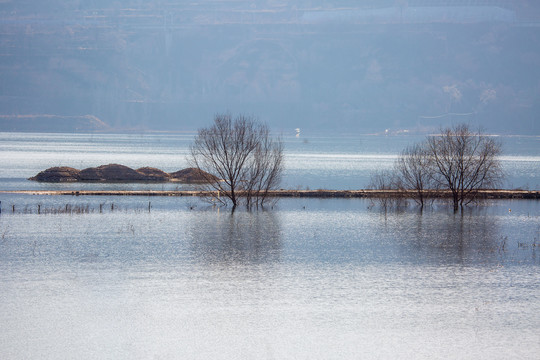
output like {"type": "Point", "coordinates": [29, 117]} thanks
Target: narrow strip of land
{"type": "Point", "coordinates": [486, 194]}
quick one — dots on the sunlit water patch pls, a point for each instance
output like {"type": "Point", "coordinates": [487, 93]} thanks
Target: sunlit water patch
{"type": "Point", "coordinates": [331, 162]}
{"type": "Point", "coordinates": [326, 279]}
{"type": "Point", "coordinates": [172, 277]}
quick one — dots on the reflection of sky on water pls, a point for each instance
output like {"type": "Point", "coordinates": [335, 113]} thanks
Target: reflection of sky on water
{"type": "Point", "coordinates": [312, 278]}
{"type": "Point", "coordinates": [437, 237]}
{"type": "Point", "coordinates": [331, 162]}
{"type": "Point", "coordinates": [235, 238]}
{"type": "Point", "coordinates": [181, 231]}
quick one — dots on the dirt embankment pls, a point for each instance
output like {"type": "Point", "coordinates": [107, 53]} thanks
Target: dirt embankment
{"type": "Point", "coordinates": [121, 173]}
{"type": "Point", "coordinates": [484, 194]}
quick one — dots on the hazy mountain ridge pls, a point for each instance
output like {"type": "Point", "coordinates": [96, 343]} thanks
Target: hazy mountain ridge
{"type": "Point", "coordinates": [166, 65]}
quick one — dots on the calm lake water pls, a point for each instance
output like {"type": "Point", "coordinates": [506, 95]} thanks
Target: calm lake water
{"type": "Point", "coordinates": [307, 279]}
{"type": "Point", "coordinates": [315, 162]}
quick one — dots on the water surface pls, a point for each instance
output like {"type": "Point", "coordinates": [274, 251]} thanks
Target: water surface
{"type": "Point", "coordinates": [314, 162]}
{"type": "Point", "coordinates": [323, 279]}
{"type": "Point", "coordinates": [171, 277]}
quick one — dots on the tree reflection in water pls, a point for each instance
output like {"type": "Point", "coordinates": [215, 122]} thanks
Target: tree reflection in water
{"type": "Point", "coordinates": [475, 236]}
{"type": "Point", "coordinates": [240, 237]}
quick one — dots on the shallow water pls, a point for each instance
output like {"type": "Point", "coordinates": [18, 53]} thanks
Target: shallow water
{"type": "Point", "coordinates": [315, 162]}
{"type": "Point", "coordinates": [173, 277]}
{"type": "Point", "coordinates": [323, 279]}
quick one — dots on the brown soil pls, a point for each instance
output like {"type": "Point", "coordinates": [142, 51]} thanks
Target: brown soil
{"type": "Point", "coordinates": [121, 173]}
{"type": "Point", "coordinates": [111, 172]}
{"type": "Point", "coordinates": [153, 174]}
{"type": "Point", "coordinates": [58, 174]}
{"type": "Point", "coordinates": [193, 175]}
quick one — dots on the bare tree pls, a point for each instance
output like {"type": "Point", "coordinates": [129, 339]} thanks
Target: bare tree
{"type": "Point", "coordinates": [414, 171]}
{"type": "Point", "coordinates": [385, 180]}
{"type": "Point", "coordinates": [265, 169]}
{"type": "Point", "coordinates": [464, 162]}
{"type": "Point", "coordinates": [243, 155]}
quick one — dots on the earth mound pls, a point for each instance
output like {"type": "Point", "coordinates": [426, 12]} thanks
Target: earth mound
{"type": "Point", "coordinates": [153, 174]}
{"type": "Point", "coordinates": [58, 174]}
{"type": "Point", "coordinates": [122, 173]}
{"type": "Point", "coordinates": [111, 172]}
{"type": "Point", "coordinates": [193, 175]}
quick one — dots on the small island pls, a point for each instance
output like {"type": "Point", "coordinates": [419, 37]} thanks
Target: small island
{"type": "Point", "coordinates": [121, 173]}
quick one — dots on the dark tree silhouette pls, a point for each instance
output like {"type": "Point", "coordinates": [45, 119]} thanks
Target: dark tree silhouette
{"type": "Point", "coordinates": [457, 160]}
{"type": "Point", "coordinates": [414, 170]}
{"type": "Point", "coordinates": [242, 153]}
{"type": "Point", "coordinates": [464, 162]}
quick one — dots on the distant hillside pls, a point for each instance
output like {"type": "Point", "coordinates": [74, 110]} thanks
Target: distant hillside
{"type": "Point", "coordinates": [344, 66]}
{"type": "Point", "coordinates": [48, 123]}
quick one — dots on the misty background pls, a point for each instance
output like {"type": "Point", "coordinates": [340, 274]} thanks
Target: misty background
{"type": "Point", "coordinates": [364, 66]}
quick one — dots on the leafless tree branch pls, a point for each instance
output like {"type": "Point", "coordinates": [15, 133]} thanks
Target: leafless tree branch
{"type": "Point", "coordinates": [243, 155]}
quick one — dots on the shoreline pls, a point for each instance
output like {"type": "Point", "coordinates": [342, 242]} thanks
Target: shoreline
{"type": "Point", "coordinates": [364, 193]}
